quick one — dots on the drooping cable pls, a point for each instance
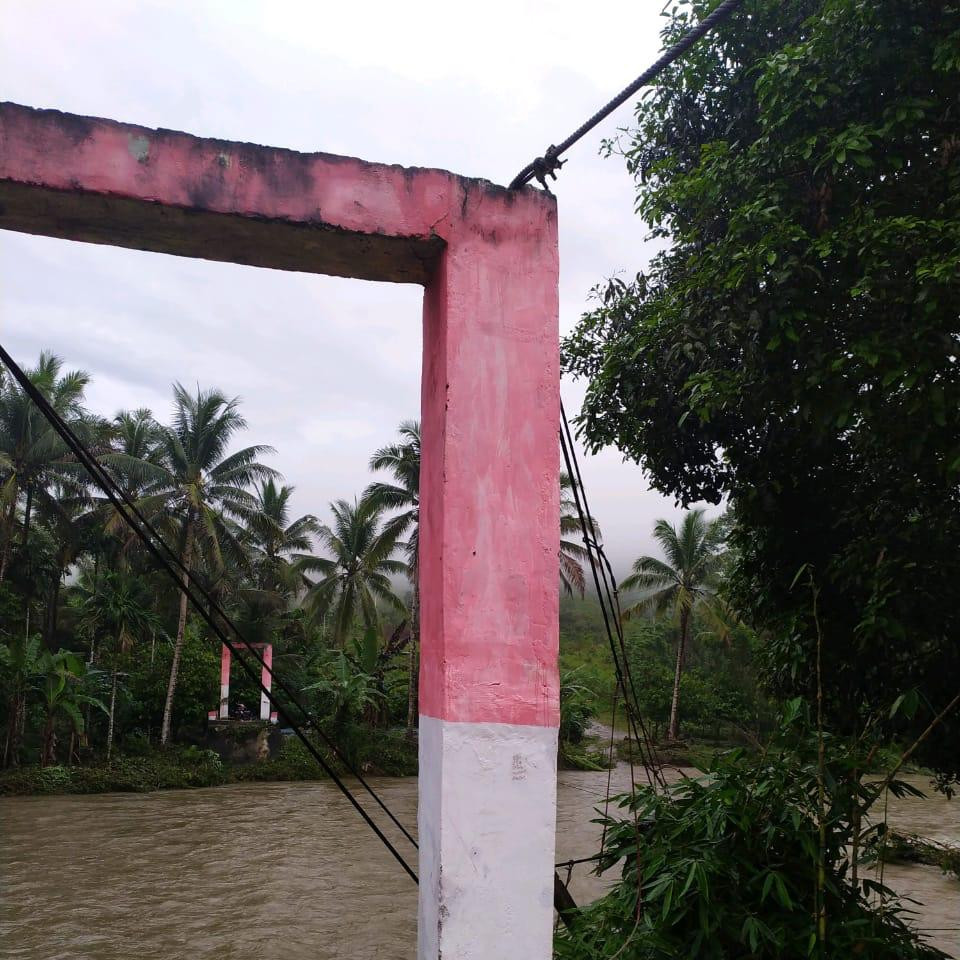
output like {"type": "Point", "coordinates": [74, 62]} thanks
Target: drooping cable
{"type": "Point", "coordinates": [612, 593]}
{"type": "Point", "coordinates": [206, 606]}
{"type": "Point", "coordinates": [606, 801]}
{"type": "Point", "coordinates": [605, 585]}
{"type": "Point", "coordinates": [547, 165]}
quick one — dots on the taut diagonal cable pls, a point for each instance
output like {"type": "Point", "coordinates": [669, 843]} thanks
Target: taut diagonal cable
{"type": "Point", "coordinates": [546, 166]}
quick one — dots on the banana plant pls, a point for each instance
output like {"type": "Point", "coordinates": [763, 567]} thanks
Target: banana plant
{"type": "Point", "coordinates": [353, 684]}
{"type": "Point", "coordinates": [63, 695]}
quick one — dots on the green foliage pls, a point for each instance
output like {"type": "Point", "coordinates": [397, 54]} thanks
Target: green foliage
{"type": "Point", "coordinates": [63, 697]}
{"type": "Point", "coordinates": [573, 553]}
{"type": "Point", "coordinates": [145, 768]}
{"type": "Point", "coordinates": [585, 651]}
{"type": "Point", "coordinates": [895, 847]}
{"type": "Point", "coordinates": [197, 685]}
{"type": "Point", "coordinates": [794, 347]}
{"type": "Point", "coordinates": [114, 610]}
{"type": "Point", "coordinates": [576, 706]}
{"type": "Point", "coordinates": [357, 575]}
{"type": "Point", "coordinates": [729, 866]}
{"type": "Point", "coordinates": [171, 769]}
{"type": "Point", "coordinates": [378, 752]}
{"type": "Point", "coordinates": [352, 692]}
{"type": "Point", "coordinates": [719, 688]}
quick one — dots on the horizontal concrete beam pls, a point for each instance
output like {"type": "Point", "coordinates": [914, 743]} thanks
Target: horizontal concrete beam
{"type": "Point", "coordinates": [82, 178]}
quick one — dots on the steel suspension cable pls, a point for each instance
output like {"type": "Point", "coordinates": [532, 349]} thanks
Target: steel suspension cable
{"type": "Point", "coordinates": [196, 593]}
{"type": "Point", "coordinates": [613, 599]}
{"type": "Point", "coordinates": [547, 165]}
{"type": "Point", "coordinates": [652, 768]}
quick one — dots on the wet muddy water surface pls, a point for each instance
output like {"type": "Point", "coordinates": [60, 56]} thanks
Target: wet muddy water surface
{"type": "Point", "coordinates": [286, 870]}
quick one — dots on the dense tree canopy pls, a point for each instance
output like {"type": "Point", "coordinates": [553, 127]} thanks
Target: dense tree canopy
{"type": "Point", "coordinates": [794, 347]}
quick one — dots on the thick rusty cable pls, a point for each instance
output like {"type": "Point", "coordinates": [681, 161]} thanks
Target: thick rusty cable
{"type": "Point", "coordinates": [547, 164]}
{"type": "Point", "coordinates": [188, 583]}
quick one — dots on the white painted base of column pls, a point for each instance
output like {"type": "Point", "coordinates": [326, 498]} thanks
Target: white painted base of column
{"type": "Point", "coordinates": [487, 821]}
{"type": "Point", "coordinates": [224, 701]}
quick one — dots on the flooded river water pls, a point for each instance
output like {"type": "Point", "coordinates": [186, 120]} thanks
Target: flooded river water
{"type": "Point", "coordinates": [271, 871]}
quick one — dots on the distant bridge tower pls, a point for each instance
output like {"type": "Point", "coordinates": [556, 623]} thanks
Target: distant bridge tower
{"type": "Point", "coordinates": [266, 678]}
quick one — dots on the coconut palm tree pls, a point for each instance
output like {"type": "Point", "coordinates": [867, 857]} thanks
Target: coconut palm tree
{"type": "Point", "coordinates": [683, 580]}
{"type": "Point", "coordinates": [356, 576]}
{"type": "Point", "coordinates": [402, 460]}
{"type": "Point", "coordinates": [31, 452]}
{"type": "Point", "coordinates": [193, 492]}
{"type": "Point", "coordinates": [116, 606]}
{"type": "Point", "coordinates": [573, 553]}
{"type": "Point", "coordinates": [75, 527]}
{"type": "Point", "coordinates": [271, 538]}
{"type": "Point", "coordinates": [263, 603]}
{"type": "Point", "coordinates": [138, 437]}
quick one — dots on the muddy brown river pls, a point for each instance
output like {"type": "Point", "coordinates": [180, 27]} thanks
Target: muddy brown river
{"type": "Point", "coordinates": [271, 871]}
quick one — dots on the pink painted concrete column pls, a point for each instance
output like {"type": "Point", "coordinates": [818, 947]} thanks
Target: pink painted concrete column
{"type": "Point", "coordinates": [489, 537]}
{"type": "Point", "coordinates": [265, 678]}
{"type": "Point", "coordinates": [224, 682]}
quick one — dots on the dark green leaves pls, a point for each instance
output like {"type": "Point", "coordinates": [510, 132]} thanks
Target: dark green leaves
{"type": "Point", "coordinates": [795, 348]}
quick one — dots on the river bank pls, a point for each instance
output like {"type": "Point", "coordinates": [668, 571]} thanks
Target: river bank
{"type": "Point", "coordinates": [371, 751]}
{"type": "Point", "coordinates": [387, 753]}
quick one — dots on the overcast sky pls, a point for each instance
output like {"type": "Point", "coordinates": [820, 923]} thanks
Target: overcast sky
{"type": "Point", "coordinates": [326, 367]}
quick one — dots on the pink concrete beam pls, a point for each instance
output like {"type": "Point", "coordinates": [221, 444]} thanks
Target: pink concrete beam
{"type": "Point", "coordinates": [84, 178]}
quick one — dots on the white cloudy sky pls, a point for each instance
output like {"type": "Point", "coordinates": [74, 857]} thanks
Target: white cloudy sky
{"type": "Point", "coordinates": [326, 367]}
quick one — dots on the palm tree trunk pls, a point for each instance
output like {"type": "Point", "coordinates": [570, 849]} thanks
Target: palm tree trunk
{"type": "Point", "coordinates": [15, 723]}
{"type": "Point", "coordinates": [48, 749]}
{"type": "Point", "coordinates": [186, 560]}
{"type": "Point", "coordinates": [53, 602]}
{"type": "Point", "coordinates": [28, 508]}
{"type": "Point", "coordinates": [413, 682]}
{"type": "Point", "coordinates": [8, 533]}
{"type": "Point", "coordinates": [673, 731]}
{"type": "Point", "coordinates": [113, 704]}
{"type": "Point", "coordinates": [28, 592]}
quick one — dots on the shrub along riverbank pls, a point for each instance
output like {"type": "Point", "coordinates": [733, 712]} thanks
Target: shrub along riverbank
{"type": "Point", "coordinates": [372, 752]}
